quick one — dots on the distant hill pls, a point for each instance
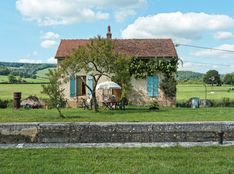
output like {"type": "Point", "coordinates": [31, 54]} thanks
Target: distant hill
{"type": "Point", "coordinates": [185, 76]}
{"type": "Point", "coordinates": [26, 72]}
{"type": "Point", "coordinates": [23, 69]}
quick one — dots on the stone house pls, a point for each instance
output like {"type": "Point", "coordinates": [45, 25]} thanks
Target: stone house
{"type": "Point", "coordinates": [143, 90]}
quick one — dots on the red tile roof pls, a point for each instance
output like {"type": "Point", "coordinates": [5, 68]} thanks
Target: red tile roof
{"type": "Point", "coordinates": [132, 47]}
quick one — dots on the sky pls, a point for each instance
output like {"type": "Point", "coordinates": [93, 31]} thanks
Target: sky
{"type": "Point", "coordinates": [31, 30]}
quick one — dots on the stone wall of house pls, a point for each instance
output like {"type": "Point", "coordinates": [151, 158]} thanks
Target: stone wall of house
{"type": "Point", "coordinates": [115, 132]}
{"type": "Point", "coordinates": [77, 101]}
{"type": "Point", "coordinates": [137, 96]}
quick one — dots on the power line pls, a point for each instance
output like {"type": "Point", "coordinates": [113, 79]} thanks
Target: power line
{"type": "Point", "coordinates": [209, 48]}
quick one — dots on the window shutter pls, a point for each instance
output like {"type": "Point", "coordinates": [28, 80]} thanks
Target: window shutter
{"type": "Point", "coordinates": [152, 86]}
{"type": "Point", "coordinates": [79, 87]}
{"type": "Point", "coordinates": [90, 84]}
{"type": "Point", "coordinates": [72, 86]}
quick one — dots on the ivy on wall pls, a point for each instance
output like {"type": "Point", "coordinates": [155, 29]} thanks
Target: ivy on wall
{"type": "Point", "coordinates": [141, 68]}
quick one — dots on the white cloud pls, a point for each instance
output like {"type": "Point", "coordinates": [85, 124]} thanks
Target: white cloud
{"type": "Point", "coordinates": [122, 14]}
{"type": "Point", "coordinates": [217, 53]}
{"type": "Point", "coordinates": [48, 43]}
{"type": "Point", "coordinates": [51, 60]}
{"type": "Point", "coordinates": [177, 25]}
{"type": "Point", "coordinates": [223, 35]}
{"type": "Point", "coordinates": [115, 3]}
{"type": "Point", "coordinates": [204, 67]}
{"type": "Point", "coordinates": [50, 36]}
{"type": "Point", "coordinates": [28, 60]}
{"type": "Point", "coordinates": [49, 40]}
{"type": "Point", "coordinates": [55, 12]}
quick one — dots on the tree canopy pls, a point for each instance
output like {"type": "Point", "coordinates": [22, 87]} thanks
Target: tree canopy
{"type": "Point", "coordinates": [229, 79]}
{"type": "Point", "coordinates": [212, 77]}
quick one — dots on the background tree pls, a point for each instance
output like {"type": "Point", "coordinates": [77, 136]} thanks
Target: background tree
{"type": "Point", "coordinates": [53, 90]}
{"type": "Point", "coordinates": [212, 77]}
{"type": "Point", "coordinates": [12, 79]}
{"type": "Point", "coordinates": [229, 79]}
{"type": "Point", "coordinates": [97, 59]}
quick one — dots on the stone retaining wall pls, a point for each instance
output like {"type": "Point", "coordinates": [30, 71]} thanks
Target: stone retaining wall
{"type": "Point", "coordinates": [96, 132]}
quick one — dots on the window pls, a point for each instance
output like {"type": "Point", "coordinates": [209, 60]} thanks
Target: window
{"type": "Point", "coordinates": [80, 85]}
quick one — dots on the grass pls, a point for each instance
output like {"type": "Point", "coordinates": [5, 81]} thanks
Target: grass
{"type": "Point", "coordinates": [42, 73]}
{"type": "Point", "coordinates": [205, 160]}
{"type": "Point", "coordinates": [184, 92]}
{"type": "Point", "coordinates": [7, 90]}
{"type": "Point", "coordinates": [130, 115]}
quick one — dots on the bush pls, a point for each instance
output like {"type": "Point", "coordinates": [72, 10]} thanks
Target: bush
{"type": "Point", "coordinates": [3, 103]}
{"type": "Point", "coordinates": [183, 104]}
{"type": "Point", "coordinates": [225, 102]}
{"type": "Point", "coordinates": [154, 105]}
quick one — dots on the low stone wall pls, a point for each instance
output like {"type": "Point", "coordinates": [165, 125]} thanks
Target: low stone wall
{"type": "Point", "coordinates": [78, 132]}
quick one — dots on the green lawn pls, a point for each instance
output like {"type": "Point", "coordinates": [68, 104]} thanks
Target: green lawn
{"type": "Point", "coordinates": [184, 92]}
{"type": "Point", "coordinates": [7, 90]}
{"type": "Point", "coordinates": [205, 160]}
{"type": "Point", "coordinates": [130, 115]}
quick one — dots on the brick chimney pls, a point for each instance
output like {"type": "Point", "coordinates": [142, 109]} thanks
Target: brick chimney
{"type": "Point", "coordinates": [109, 34]}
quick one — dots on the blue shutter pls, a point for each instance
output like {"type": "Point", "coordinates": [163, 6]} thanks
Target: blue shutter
{"type": "Point", "coordinates": [152, 86]}
{"type": "Point", "coordinates": [72, 86]}
{"type": "Point", "coordinates": [90, 84]}
{"type": "Point", "coordinates": [78, 84]}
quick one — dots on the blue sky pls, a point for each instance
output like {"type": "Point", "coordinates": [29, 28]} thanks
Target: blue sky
{"type": "Point", "coordinates": [31, 29]}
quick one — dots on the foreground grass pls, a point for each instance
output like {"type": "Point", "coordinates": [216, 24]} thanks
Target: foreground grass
{"type": "Point", "coordinates": [130, 115]}
{"type": "Point", "coordinates": [119, 160]}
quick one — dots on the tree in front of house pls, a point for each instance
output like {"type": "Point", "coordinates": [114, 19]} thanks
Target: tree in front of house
{"type": "Point", "coordinates": [212, 77]}
{"type": "Point", "coordinates": [229, 79]}
{"type": "Point", "coordinates": [97, 59]}
{"type": "Point", "coordinates": [53, 90]}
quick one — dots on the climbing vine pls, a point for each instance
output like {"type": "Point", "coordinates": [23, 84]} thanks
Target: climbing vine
{"type": "Point", "coordinates": [141, 68]}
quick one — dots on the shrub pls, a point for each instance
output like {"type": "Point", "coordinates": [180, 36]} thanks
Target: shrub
{"type": "Point", "coordinates": [154, 105]}
{"type": "Point", "coordinates": [183, 104]}
{"type": "Point", "coordinates": [225, 102]}
{"type": "Point", "coordinates": [3, 103]}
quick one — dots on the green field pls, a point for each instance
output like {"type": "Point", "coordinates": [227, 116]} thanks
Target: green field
{"type": "Point", "coordinates": [184, 92]}
{"type": "Point", "coordinates": [131, 114]}
{"type": "Point", "coordinates": [176, 160]}
{"type": "Point", "coordinates": [42, 73]}
{"type": "Point", "coordinates": [7, 90]}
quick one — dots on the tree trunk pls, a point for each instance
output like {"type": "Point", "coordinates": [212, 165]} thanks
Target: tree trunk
{"type": "Point", "coordinates": [95, 104]}
{"type": "Point", "coordinates": [60, 113]}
